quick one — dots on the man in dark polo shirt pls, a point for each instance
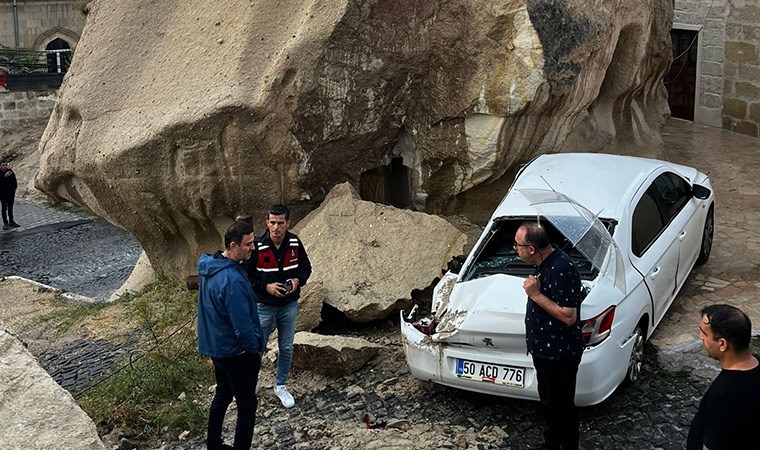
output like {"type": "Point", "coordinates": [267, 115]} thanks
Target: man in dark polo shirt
{"type": "Point", "coordinates": [552, 332]}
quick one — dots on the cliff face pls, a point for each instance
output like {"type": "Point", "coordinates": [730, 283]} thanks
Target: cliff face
{"type": "Point", "coordinates": [178, 115]}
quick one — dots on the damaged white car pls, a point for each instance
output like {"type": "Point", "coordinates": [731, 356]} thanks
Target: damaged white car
{"type": "Point", "coordinates": [633, 227]}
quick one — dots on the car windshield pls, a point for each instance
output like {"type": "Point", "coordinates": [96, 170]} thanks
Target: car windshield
{"type": "Point", "coordinates": [496, 254]}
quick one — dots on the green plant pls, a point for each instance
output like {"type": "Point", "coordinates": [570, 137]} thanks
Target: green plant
{"type": "Point", "coordinates": [67, 314]}
{"type": "Point", "coordinates": [143, 395]}
{"type": "Point", "coordinates": [22, 61]}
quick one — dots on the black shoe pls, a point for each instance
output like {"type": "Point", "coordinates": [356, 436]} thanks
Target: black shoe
{"type": "Point", "coordinates": [5, 226]}
{"type": "Point", "coordinates": [14, 225]}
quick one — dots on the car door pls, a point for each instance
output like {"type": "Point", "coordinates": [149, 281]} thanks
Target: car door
{"type": "Point", "coordinates": [655, 248]}
{"type": "Point", "coordinates": [681, 207]}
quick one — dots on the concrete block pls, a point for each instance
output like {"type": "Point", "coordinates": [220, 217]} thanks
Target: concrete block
{"type": "Point", "coordinates": [754, 112]}
{"type": "Point", "coordinates": [711, 85]}
{"type": "Point", "coordinates": [712, 101]}
{"type": "Point", "coordinates": [749, 73]}
{"type": "Point", "coordinates": [741, 52]}
{"type": "Point", "coordinates": [712, 37]}
{"type": "Point", "coordinates": [730, 69]}
{"type": "Point", "coordinates": [735, 108]}
{"type": "Point", "coordinates": [746, 90]}
{"type": "Point", "coordinates": [745, 14]}
{"type": "Point", "coordinates": [750, 33]}
{"type": "Point", "coordinates": [712, 53]}
{"type": "Point", "coordinates": [746, 127]}
{"type": "Point", "coordinates": [728, 87]}
{"type": "Point", "coordinates": [712, 68]}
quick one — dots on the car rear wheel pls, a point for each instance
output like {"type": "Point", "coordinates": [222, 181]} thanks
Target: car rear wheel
{"type": "Point", "coordinates": [637, 355]}
{"type": "Point", "coordinates": [707, 237]}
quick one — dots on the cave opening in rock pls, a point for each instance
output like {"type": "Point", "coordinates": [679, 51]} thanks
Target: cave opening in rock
{"type": "Point", "coordinates": [387, 184]}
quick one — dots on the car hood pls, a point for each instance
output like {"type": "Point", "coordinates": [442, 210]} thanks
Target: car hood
{"type": "Point", "coordinates": [485, 312]}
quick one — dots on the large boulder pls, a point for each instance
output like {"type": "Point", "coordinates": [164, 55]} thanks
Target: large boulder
{"type": "Point", "coordinates": [176, 116]}
{"type": "Point", "coordinates": [370, 257]}
{"type": "Point", "coordinates": [36, 412]}
{"type": "Point", "coordinates": [333, 356]}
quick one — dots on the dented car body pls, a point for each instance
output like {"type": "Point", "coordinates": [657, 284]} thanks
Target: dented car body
{"type": "Point", "coordinates": [656, 222]}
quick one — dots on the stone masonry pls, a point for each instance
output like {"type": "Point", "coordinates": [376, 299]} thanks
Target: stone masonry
{"type": "Point", "coordinates": [741, 84]}
{"type": "Point", "coordinates": [728, 78]}
{"type": "Point", "coordinates": [41, 21]}
{"type": "Point", "coordinates": [23, 107]}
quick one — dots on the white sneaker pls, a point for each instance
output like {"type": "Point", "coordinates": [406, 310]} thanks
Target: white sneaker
{"type": "Point", "coordinates": [282, 393]}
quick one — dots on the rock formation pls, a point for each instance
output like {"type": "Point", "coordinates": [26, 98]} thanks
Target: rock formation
{"type": "Point", "coordinates": [36, 412]}
{"type": "Point", "coordinates": [176, 116]}
{"type": "Point", "coordinates": [331, 355]}
{"type": "Point", "coordinates": [370, 257]}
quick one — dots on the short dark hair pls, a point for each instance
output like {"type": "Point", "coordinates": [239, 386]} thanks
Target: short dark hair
{"type": "Point", "coordinates": [278, 210]}
{"type": "Point", "coordinates": [536, 235]}
{"type": "Point", "coordinates": [730, 323]}
{"type": "Point", "coordinates": [236, 231]}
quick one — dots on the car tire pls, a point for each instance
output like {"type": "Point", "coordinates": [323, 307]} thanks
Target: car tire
{"type": "Point", "coordinates": [707, 237]}
{"type": "Point", "coordinates": [636, 360]}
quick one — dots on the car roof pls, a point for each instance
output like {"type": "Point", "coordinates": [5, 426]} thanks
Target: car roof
{"type": "Point", "coordinates": [602, 183]}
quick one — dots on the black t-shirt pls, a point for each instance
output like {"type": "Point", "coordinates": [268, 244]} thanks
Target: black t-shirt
{"type": "Point", "coordinates": [545, 335]}
{"type": "Point", "coordinates": [728, 413]}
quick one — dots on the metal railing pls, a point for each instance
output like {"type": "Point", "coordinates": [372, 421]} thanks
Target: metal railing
{"type": "Point", "coordinates": [14, 61]}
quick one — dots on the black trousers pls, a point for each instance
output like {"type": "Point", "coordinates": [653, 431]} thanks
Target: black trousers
{"type": "Point", "coordinates": [235, 377]}
{"type": "Point", "coordinates": [556, 389]}
{"type": "Point", "coordinates": [7, 207]}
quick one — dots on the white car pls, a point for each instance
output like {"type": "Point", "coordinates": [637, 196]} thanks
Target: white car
{"type": "Point", "coordinates": [634, 228]}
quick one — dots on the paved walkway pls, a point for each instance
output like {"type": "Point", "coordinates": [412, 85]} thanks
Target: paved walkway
{"type": "Point", "coordinates": [69, 251]}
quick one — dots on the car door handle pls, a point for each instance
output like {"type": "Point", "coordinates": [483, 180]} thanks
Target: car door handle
{"type": "Point", "coordinates": [655, 272]}
{"type": "Point", "coordinates": [682, 235]}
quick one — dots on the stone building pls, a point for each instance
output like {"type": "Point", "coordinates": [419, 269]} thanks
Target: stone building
{"type": "Point", "coordinates": [53, 26]}
{"type": "Point", "coordinates": [716, 80]}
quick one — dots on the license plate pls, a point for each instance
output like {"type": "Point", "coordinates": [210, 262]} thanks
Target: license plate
{"type": "Point", "coordinates": [491, 373]}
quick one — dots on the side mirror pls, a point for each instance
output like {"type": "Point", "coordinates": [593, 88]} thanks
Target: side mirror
{"type": "Point", "coordinates": [455, 265]}
{"type": "Point", "coordinates": [700, 192]}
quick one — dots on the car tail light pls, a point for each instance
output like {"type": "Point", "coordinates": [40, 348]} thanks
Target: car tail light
{"type": "Point", "coordinates": [598, 328]}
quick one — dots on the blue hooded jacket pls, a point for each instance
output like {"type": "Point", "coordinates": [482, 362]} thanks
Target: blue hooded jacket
{"type": "Point", "coordinates": [228, 321]}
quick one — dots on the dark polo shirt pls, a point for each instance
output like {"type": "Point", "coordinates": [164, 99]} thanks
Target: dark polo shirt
{"type": "Point", "coordinates": [546, 336]}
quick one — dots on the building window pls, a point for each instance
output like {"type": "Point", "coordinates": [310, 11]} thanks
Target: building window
{"type": "Point", "coordinates": [58, 56]}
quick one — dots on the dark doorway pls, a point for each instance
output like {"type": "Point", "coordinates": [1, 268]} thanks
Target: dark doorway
{"type": "Point", "coordinates": [58, 56]}
{"type": "Point", "coordinates": [681, 81]}
{"type": "Point", "coordinates": [388, 184]}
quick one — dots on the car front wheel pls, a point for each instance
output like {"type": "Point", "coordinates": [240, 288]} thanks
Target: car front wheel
{"type": "Point", "coordinates": [637, 355]}
{"type": "Point", "coordinates": [707, 237]}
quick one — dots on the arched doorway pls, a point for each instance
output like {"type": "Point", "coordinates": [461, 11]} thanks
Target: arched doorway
{"type": "Point", "coordinates": [58, 56]}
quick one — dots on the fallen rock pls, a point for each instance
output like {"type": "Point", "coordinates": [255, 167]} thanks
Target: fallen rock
{"type": "Point", "coordinates": [287, 99]}
{"type": "Point", "coordinates": [370, 257]}
{"type": "Point", "coordinates": [310, 306]}
{"type": "Point", "coordinates": [36, 412]}
{"type": "Point", "coordinates": [333, 356]}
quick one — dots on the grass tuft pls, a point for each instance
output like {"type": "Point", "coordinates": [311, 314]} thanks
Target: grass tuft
{"type": "Point", "coordinates": [141, 401]}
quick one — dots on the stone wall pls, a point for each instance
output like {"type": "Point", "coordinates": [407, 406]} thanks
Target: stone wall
{"type": "Point", "coordinates": [23, 107]}
{"type": "Point", "coordinates": [709, 16]}
{"type": "Point", "coordinates": [741, 84]}
{"type": "Point", "coordinates": [728, 70]}
{"type": "Point", "coordinates": [40, 22]}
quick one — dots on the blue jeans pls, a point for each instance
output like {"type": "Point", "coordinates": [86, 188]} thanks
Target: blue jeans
{"type": "Point", "coordinates": [285, 319]}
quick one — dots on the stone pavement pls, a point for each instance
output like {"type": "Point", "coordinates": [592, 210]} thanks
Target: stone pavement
{"type": "Point", "coordinates": [69, 251]}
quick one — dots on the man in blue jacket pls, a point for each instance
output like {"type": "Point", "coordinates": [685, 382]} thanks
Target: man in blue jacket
{"type": "Point", "coordinates": [229, 332]}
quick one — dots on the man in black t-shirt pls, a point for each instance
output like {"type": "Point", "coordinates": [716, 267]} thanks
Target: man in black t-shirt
{"type": "Point", "coordinates": [730, 408]}
{"type": "Point", "coordinates": [552, 332]}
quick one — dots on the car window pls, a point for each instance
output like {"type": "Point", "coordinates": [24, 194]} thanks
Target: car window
{"type": "Point", "coordinates": [647, 224]}
{"type": "Point", "coordinates": [673, 191]}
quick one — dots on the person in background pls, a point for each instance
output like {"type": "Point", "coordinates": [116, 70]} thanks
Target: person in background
{"type": "Point", "coordinates": [229, 332]}
{"type": "Point", "coordinates": [277, 271]}
{"type": "Point", "coordinates": [730, 409]}
{"type": "Point", "coordinates": [8, 185]}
